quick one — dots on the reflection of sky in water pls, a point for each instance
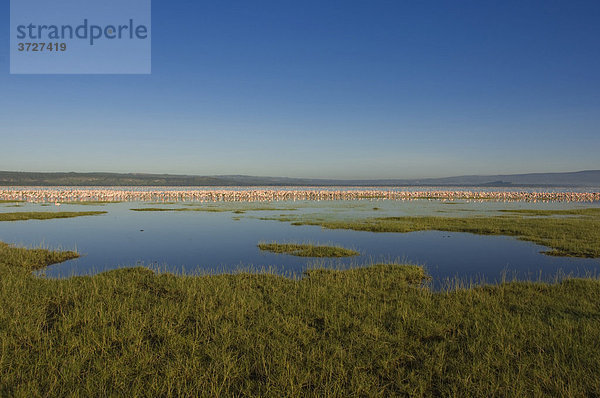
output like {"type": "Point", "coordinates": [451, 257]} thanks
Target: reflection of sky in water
{"type": "Point", "coordinates": [201, 241]}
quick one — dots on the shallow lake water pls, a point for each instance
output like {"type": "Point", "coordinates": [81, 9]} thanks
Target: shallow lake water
{"type": "Point", "coordinates": [196, 242]}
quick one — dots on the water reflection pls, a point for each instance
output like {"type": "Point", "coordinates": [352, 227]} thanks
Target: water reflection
{"type": "Point", "coordinates": [196, 242]}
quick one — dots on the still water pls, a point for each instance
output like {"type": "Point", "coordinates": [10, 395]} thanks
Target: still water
{"type": "Point", "coordinates": [195, 242]}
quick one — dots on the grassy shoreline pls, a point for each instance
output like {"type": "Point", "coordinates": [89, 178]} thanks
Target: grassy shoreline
{"type": "Point", "coordinates": [46, 215]}
{"type": "Point", "coordinates": [236, 210]}
{"type": "Point", "coordinates": [366, 331]}
{"type": "Point", "coordinates": [573, 233]}
{"type": "Point", "coordinates": [12, 257]}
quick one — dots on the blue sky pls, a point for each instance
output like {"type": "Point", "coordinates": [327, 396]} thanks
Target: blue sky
{"type": "Point", "coordinates": [341, 89]}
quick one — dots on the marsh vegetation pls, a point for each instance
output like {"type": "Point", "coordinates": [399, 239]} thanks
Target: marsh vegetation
{"type": "Point", "coordinates": [92, 202]}
{"type": "Point", "coordinates": [574, 232]}
{"type": "Point", "coordinates": [46, 215]}
{"type": "Point", "coordinates": [307, 249]}
{"type": "Point", "coordinates": [378, 330]}
{"type": "Point", "coordinates": [374, 330]}
{"type": "Point", "coordinates": [19, 258]}
{"type": "Point", "coordinates": [214, 209]}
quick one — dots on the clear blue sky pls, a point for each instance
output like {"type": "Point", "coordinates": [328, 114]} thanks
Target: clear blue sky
{"type": "Point", "coordinates": [344, 89]}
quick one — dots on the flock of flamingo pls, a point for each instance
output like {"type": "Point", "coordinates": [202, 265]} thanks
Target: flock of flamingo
{"type": "Point", "coordinates": [68, 194]}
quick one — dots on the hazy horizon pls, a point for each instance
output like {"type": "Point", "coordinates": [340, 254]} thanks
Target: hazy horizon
{"type": "Point", "coordinates": [325, 177]}
{"type": "Point", "coordinates": [342, 89]}
{"type": "Point", "coordinates": [300, 177]}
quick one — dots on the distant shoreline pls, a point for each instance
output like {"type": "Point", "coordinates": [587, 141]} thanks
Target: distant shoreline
{"type": "Point", "coordinates": [579, 179]}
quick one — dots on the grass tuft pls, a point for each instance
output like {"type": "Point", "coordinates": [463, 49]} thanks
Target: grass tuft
{"type": "Point", "coordinates": [307, 250]}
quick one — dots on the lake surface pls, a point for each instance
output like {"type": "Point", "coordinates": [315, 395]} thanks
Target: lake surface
{"type": "Point", "coordinates": [194, 242]}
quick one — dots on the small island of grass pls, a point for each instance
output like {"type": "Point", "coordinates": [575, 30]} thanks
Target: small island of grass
{"type": "Point", "coordinates": [32, 259]}
{"type": "Point", "coordinates": [45, 215]}
{"type": "Point", "coordinates": [92, 202]}
{"type": "Point", "coordinates": [213, 209]}
{"type": "Point", "coordinates": [307, 250]}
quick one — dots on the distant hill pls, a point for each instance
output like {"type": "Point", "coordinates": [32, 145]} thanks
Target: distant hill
{"type": "Point", "coordinates": [589, 178]}
{"type": "Point", "coordinates": [571, 179]}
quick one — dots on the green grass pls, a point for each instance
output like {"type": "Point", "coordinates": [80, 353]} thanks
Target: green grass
{"type": "Point", "coordinates": [212, 209]}
{"type": "Point", "coordinates": [206, 209]}
{"type": "Point", "coordinates": [33, 215]}
{"type": "Point", "coordinates": [307, 250]}
{"type": "Point", "coordinates": [11, 201]}
{"type": "Point", "coordinates": [577, 235]}
{"type": "Point", "coordinates": [92, 202]}
{"type": "Point", "coordinates": [31, 259]}
{"type": "Point", "coordinates": [589, 211]}
{"type": "Point", "coordinates": [374, 331]}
